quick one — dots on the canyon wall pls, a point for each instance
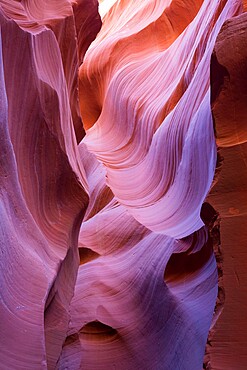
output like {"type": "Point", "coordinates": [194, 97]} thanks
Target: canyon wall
{"type": "Point", "coordinates": [122, 226]}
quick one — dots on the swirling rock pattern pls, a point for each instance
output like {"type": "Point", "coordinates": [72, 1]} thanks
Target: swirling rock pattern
{"type": "Point", "coordinates": [43, 189]}
{"type": "Point", "coordinates": [107, 257]}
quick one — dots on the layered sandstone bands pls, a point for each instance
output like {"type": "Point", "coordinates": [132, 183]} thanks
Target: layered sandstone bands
{"type": "Point", "coordinates": [229, 77]}
{"type": "Point", "coordinates": [108, 153]}
{"type": "Point", "coordinates": [44, 188]}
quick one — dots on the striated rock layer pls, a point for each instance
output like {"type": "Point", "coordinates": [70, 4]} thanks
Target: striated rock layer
{"type": "Point", "coordinates": [229, 93]}
{"type": "Point", "coordinates": [107, 247]}
{"type": "Point", "coordinates": [43, 184]}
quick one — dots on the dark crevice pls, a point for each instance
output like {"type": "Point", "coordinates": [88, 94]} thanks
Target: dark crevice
{"type": "Point", "coordinates": [56, 313]}
{"type": "Point", "coordinates": [87, 255]}
{"type": "Point", "coordinates": [97, 328]}
{"type": "Point", "coordinates": [92, 331]}
{"type": "Point", "coordinates": [50, 298]}
{"type": "Point", "coordinates": [181, 265]}
{"type": "Point", "coordinates": [208, 215]}
{"type": "Point", "coordinates": [215, 236]}
{"type": "Point", "coordinates": [218, 74]}
{"type": "Point", "coordinates": [71, 339]}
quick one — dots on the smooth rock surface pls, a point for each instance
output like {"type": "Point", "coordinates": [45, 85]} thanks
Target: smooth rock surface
{"type": "Point", "coordinates": [110, 257]}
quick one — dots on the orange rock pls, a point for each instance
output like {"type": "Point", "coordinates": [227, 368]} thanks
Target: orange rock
{"type": "Point", "coordinates": [229, 195]}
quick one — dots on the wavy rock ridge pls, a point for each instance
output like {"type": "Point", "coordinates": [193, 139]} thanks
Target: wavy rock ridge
{"type": "Point", "coordinates": [107, 261]}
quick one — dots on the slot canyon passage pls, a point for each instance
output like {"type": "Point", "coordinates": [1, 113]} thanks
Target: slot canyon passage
{"type": "Point", "coordinates": [123, 184]}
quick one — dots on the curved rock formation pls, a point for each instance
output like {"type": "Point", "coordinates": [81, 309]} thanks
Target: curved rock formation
{"type": "Point", "coordinates": [107, 247]}
{"type": "Point", "coordinates": [43, 187]}
{"type": "Point", "coordinates": [135, 112]}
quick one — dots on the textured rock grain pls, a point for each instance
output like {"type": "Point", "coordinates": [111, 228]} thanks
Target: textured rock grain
{"type": "Point", "coordinates": [229, 195]}
{"type": "Point", "coordinates": [107, 246]}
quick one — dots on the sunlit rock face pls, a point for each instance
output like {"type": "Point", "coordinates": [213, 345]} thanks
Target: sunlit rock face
{"type": "Point", "coordinates": [107, 155]}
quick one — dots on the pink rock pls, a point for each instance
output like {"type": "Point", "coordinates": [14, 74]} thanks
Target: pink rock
{"type": "Point", "coordinates": [43, 200]}
{"type": "Point", "coordinates": [107, 247]}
